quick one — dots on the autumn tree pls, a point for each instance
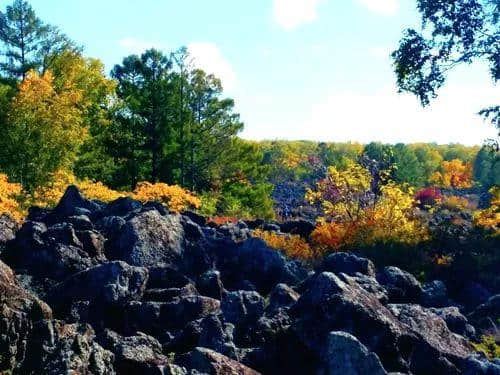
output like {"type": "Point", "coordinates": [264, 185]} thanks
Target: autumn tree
{"type": "Point", "coordinates": [43, 131]}
{"type": "Point", "coordinates": [28, 43]}
{"type": "Point", "coordinates": [454, 174]}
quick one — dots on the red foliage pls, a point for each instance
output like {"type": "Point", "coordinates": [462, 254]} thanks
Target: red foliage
{"type": "Point", "coordinates": [428, 196]}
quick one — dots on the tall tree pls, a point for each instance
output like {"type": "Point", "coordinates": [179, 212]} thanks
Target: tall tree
{"type": "Point", "coordinates": [454, 32]}
{"type": "Point", "coordinates": [144, 85]}
{"type": "Point", "coordinates": [27, 42]}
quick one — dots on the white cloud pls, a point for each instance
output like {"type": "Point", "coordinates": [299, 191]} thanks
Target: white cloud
{"type": "Point", "coordinates": [386, 116]}
{"type": "Point", "coordinates": [208, 56]}
{"type": "Point", "coordinates": [380, 53]}
{"type": "Point", "coordinates": [384, 7]}
{"type": "Point", "coordinates": [290, 14]}
{"type": "Point", "coordinates": [138, 46]}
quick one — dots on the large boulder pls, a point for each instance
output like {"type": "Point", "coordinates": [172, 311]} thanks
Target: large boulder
{"type": "Point", "coordinates": [345, 355]}
{"type": "Point", "coordinates": [149, 239]}
{"type": "Point", "coordinates": [455, 321]}
{"type": "Point", "coordinates": [208, 361]}
{"type": "Point", "coordinates": [299, 227]}
{"type": "Point", "coordinates": [135, 355]}
{"type": "Point", "coordinates": [486, 316]}
{"type": "Point", "coordinates": [257, 263]}
{"type": "Point", "coordinates": [54, 252]}
{"type": "Point", "coordinates": [282, 297]}
{"type": "Point", "coordinates": [55, 347]}
{"type": "Point", "coordinates": [73, 204]}
{"type": "Point", "coordinates": [402, 286]}
{"type": "Point", "coordinates": [349, 264]}
{"type": "Point", "coordinates": [18, 311]}
{"type": "Point", "coordinates": [242, 307]}
{"type": "Point", "coordinates": [434, 294]}
{"type": "Point", "coordinates": [110, 283]}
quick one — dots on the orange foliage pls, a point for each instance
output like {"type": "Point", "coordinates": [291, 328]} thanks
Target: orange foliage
{"type": "Point", "coordinates": [334, 235]}
{"type": "Point", "coordinates": [293, 246]}
{"type": "Point", "coordinates": [9, 192]}
{"type": "Point", "coordinates": [174, 197]}
{"type": "Point", "coordinates": [455, 174]}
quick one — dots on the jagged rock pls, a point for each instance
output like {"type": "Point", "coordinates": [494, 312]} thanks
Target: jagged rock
{"type": "Point", "coordinates": [208, 332]}
{"type": "Point", "coordinates": [371, 285]}
{"type": "Point", "coordinates": [81, 222]}
{"type": "Point", "coordinates": [402, 287]}
{"type": "Point", "coordinates": [110, 226]}
{"type": "Point", "coordinates": [349, 264]}
{"type": "Point", "coordinates": [167, 295]}
{"type": "Point", "coordinates": [62, 233]}
{"type": "Point", "coordinates": [282, 296]}
{"type": "Point", "coordinates": [149, 239]}
{"type": "Point", "coordinates": [455, 321]}
{"type": "Point", "coordinates": [74, 204]}
{"type": "Point", "coordinates": [472, 295]}
{"type": "Point", "coordinates": [300, 227]}
{"type": "Point", "coordinates": [210, 362]}
{"type": "Point", "coordinates": [242, 306]}
{"type": "Point", "coordinates": [477, 364]}
{"type": "Point", "coordinates": [486, 316]}
{"type": "Point", "coordinates": [434, 294]}
{"type": "Point", "coordinates": [18, 310]}
{"type": "Point", "coordinates": [330, 304]}
{"type": "Point", "coordinates": [109, 283]}
{"type": "Point", "coordinates": [8, 228]}
{"type": "Point", "coordinates": [198, 219]}
{"type": "Point", "coordinates": [135, 355]}
{"type": "Point", "coordinates": [345, 355]}
{"type": "Point", "coordinates": [56, 348]}
{"type": "Point", "coordinates": [210, 284]}
{"type": "Point", "coordinates": [440, 346]}
{"type": "Point", "coordinates": [165, 277]}
{"type": "Point", "coordinates": [93, 243]}
{"type": "Point", "coordinates": [121, 207]}
{"type": "Point", "coordinates": [152, 317]}
{"type": "Point", "coordinates": [254, 261]}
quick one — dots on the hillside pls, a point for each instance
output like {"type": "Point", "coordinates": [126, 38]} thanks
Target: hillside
{"type": "Point", "coordinates": [129, 288]}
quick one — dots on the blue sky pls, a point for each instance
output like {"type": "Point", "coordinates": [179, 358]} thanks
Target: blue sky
{"type": "Point", "coordinates": [298, 69]}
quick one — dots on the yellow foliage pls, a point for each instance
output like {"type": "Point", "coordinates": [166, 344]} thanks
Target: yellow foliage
{"type": "Point", "coordinates": [292, 245]}
{"type": "Point", "coordinates": [9, 193]}
{"type": "Point", "coordinates": [356, 220]}
{"type": "Point", "coordinates": [49, 196]}
{"type": "Point", "coordinates": [99, 191]}
{"type": "Point", "coordinates": [455, 203]}
{"type": "Point", "coordinates": [490, 217]}
{"type": "Point", "coordinates": [174, 197]}
{"type": "Point", "coordinates": [455, 174]}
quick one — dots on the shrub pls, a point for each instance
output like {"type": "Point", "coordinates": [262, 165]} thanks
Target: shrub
{"type": "Point", "coordinates": [174, 197]}
{"type": "Point", "coordinates": [489, 218]}
{"type": "Point", "coordinates": [292, 245]}
{"type": "Point", "coordinates": [455, 203]}
{"type": "Point", "coordinates": [428, 197]}
{"type": "Point", "coordinates": [488, 346]}
{"type": "Point", "coordinates": [9, 198]}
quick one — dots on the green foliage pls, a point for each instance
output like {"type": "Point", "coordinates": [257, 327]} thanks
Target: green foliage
{"type": "Point", "coordinates": [487, 167]}
{"type": "Point", "coordinates": [488, 346]}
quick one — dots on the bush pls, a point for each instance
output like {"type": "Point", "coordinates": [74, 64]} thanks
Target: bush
{"type": "Point", "coordinates": [292, 245]}
{"type": "Point", "coordinates": [488, 346]}
{"type": "Point", "coordinates": [489, 218]}
{"type": "Point", "coordinates": [174, 197]}
{"type": "Point", "coordinates": [9, 198]}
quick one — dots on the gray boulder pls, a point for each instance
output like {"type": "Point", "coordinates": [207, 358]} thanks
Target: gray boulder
{"type": "Point", "coordinates": [345, 355]}
{"type": "Point", "coordinates": [402, 286]}
{"type": "Point", "coordinates": [349, 264]}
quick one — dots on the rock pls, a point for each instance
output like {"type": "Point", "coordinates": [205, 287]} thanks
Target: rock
{"type": "Point", "coordinates": [242, 307]}
{"type": "Point", "coordinates": [58, 348]}
{"type": "Point", "coordinates": [113, 283]}
{"type": "Point", "coordinates": [345, 355]}
{"type": "Point", "coordinates": [282, 296]}
{"type": "Point", "coordinates": [167, 295]}
{"type": "Point", "coordinates": [198, 219]}
{"type": "Point", "coordinates": [434, 294]}
{"type": "Point", "coordinates": [149, 239]}
{"type": "Point", "coordinates": [18, 311]}
{"type": "Point", "coordinates": [486, 315]}
{"type": "Point", "coordinates": [110, 226]}
{"type": "Point", "coordinates": [438, 345]}
{"type": "Point", "coordinates": [254, 261]}
{"type": "Point", "coordinates": [121, 207]}
{"type": "Point", "coordinates": [371, 285]}
{"type": "Point", "coordinates": [455, 321]}
{"type": "Point", "coordinates": [208, 332]}
{"type": "Point", "coordinates": [271, 227]}
{"type": "Point", "coordinates": [81, 222]}
{"type": "Point", "coordinates": [135, 355]}
{"type": "Point", "coordinates": [402, 287]}
{"type": "Point", "coordinates": [476, 364]}
{"type": "Point", "coordinates": [209, 284]}
{"type": "Point", "coordinates": [330, 304]}
{"type": "Point", "coordinates": [165, 277]}
{"type": "Point", "coordinates": [8, 228]}
{"type": "Point", "coordinates": [62, 233]}
{"type": "Point", "coordinates": [210, 362]}
{"type": "Point", "coordinates": [74, 204]}
{"type": "Point", "coordinates": [300, 227]}
{"type": "Point", "coordinates": [473, 295]}
{"type": "Point", "coordinates": [349, 264]}
{"type": "Point", "coordinates": [93, 243]}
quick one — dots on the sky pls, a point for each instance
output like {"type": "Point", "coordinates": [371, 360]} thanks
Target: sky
{"type": "Point", "coordinates": [297, 69]}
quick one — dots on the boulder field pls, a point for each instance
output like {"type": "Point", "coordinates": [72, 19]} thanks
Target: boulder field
{"type": "Point", "coordinates": [130, 288]}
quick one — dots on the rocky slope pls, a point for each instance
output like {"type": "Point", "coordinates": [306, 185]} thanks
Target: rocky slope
{"type": "Point", "coordinates": [133, 289]}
